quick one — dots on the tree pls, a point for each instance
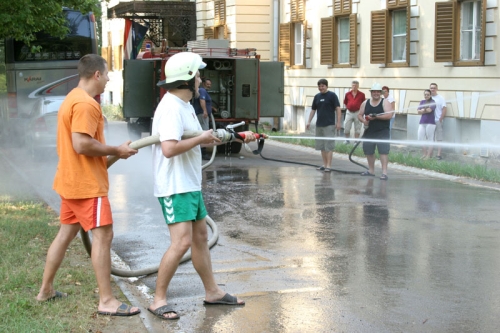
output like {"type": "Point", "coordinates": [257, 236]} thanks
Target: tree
{"type": "Point", "coordinates": [22, 19]}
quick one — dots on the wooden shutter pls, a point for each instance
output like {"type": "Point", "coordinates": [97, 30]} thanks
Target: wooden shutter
{"type": "Point", "coordinates": [353, 39]}
{"type": "Point", "coordinates": [297, 10]}
{"type": "Point", "coordinates": [444, 42]}
{"type": "Point", "coordinates": [327, 33]}
{"type": "Point", "coordinates": [342, 7]}
{"type": "Point", "coordinates": [284, 43]}
{"type": "Point", "coordinates": [483, 31]}
{"type": "Point", "coordinates": [209, 33]}
{"type": "Point", "coordinates": [304, 44]}
{"type": "Point", "coordinates": [378, 38]}
{"type": "Point", "coordinates": [397, 3]}
{"type": "Point", "coordinates": [219, 12]}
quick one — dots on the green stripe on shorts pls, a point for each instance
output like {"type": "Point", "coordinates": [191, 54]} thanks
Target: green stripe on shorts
{"type": "Point", "coordinates": [183, 207]}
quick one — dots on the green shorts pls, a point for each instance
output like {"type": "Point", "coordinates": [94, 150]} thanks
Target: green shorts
{"type": "Point", "coordinates": [183, 207]}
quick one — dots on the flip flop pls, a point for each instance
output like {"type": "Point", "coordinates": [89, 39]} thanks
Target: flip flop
{"type": "Point", "coordinates": [367, 173]}
{"type": "Point", "coordinates": [159, 312]}
{"type": "Point", "coordinates": [321, 168]}
{"type": "Point", "coordinates": [226, 300]}
{"type": "Point", "coordinates": [58, 295]}
{"type": "Point", "coordinates": [384, 177]}
{"type": "Point", "coordinates": [122, 311]}
{"type": "Point", "coordinates": [328, 169]}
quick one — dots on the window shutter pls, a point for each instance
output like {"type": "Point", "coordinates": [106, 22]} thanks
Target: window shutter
{"type": "Point", "coordinates": [444, 42]}
{"type": "Point", "coordinates": [397, 3]}
{"type": "Point", "coordinates": [326, 56]}
{"type": "Point", "coordinates": [378, 38]}
{"type": "Point", "coordinates": [219, 12]}
{"type": "Point", "coordinates": [284, 43]}
{"type": "Point", "coordinates": [297, 10]}
{"type": "Point", "coordinates": [408, 17]}
{"type": "Point", "coordinates": [304, 45]}
{"type": "Point", "coordinates": [483, 31]}
{"type": "Point", "coordinates": [209, 33]}
{"type": "Point", "coordinates": [342, 7]}
{"type": "Point", "coordinates": [353, 43]}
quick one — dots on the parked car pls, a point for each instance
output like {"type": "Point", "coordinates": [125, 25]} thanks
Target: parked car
{"type": "Point", "coordinates": [41, 132]}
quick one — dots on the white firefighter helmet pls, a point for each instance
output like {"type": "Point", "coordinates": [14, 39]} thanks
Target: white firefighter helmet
{"type": "Point", "coordinates": [181, 67]}
{"type": "Point", "coordinates": [376, 87]}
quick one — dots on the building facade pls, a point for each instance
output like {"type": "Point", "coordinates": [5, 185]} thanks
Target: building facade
{"type": "Point", "coordinates": [403, 44]}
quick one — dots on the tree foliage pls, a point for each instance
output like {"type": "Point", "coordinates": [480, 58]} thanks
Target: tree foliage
{"type": "Point", "coordinates": [22, 19]}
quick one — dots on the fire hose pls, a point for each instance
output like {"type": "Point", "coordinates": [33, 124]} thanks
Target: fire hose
{"type": "Point", "coordinates": [225, 136]}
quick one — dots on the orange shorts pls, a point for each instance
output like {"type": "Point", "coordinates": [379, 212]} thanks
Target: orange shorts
{"type": "Point", "coordinates": [89, 213]}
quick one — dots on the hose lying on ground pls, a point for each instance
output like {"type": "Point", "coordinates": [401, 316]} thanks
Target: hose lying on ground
{"type": "Point", "coordinates": [141, 143]}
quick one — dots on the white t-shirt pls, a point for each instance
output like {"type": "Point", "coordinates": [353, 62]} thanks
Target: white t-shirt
{"type": "Point", "coordinates": [181, 173]}
{"type": "Point", "coordinates": [390, 99]}
{"type": "Point", "coordinates": [440, 104]}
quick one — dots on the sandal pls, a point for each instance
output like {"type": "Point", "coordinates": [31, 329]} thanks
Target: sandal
{"type": "Point", "coordinates": [321, 168]}
{"type": "Point", "coordinates": [165, 309]}
{"type": "Point", "coordinates": [367, 173]}
{"type": "Point", "coordinates": [328, 169]}
{"type": "Point", "coordinates": [384, 177]}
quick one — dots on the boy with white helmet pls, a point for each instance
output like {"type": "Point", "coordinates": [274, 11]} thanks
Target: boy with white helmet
{"type": "Point", "coordinates": [177, 182]}
{"type": "Point", "coordinates": [375, 114]}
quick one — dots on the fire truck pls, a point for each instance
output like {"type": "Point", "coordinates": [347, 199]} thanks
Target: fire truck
{"type": "Point", "coordinates": [243, 88]}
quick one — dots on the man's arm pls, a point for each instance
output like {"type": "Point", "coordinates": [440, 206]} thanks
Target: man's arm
{"type": "Point", "coordinates": [339, 117]}
{"type": "Point", "coordinates": [361, 113]}
{"type": "Point", "coordinates": [84, 144]}
{"type": "Point", "coordinates": [443, 113]}
{"type": "Point", "coordinates": [387, 109]}
{"type": "Point", "coordinates": [173, 148]}
{"type": "Point", "coordinates": [311, 116]}
{"type": "Point", "coordinates": [203, 105]}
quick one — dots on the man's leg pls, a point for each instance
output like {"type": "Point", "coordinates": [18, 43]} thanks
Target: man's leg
{"type": "Point", "coordinates": [371, 163]}
{"type": "Point", "coordinates": [180, 238]}
{"type": "Point", "coordinates": [357, 125]}
{"type": "Point", "coordinates": [101, 261]}
{"type": "Point", "coordinates": [55, 256]}
{"type": "Point", "coordinates": [384, 160]}
{"type": "Point", "coordinates": [200, 255]}
{"type": "Point", "coordinates": [324, 156]}
{"type": "Point", "coordinates": [328, 159]}
{"type": "Point", "coordinates": [347, 125]}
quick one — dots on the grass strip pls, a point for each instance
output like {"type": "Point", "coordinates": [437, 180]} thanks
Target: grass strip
{"type": "Point", "coordinates": [27, 229]}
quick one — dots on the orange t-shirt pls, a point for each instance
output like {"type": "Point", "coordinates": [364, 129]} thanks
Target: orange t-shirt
{"type": "Point", "coordinates": [79, 176]}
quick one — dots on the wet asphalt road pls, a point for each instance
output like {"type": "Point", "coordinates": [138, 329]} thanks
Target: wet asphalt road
{"type": "Point", "coordinates": [312, 251]}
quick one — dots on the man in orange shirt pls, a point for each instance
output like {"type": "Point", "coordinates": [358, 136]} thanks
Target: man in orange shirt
{"type": "Point", "coordinates": [82, 182]}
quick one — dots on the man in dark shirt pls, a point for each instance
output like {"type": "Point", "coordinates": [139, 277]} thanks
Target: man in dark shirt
{"type": "Point", "coordinates": [327, 104]}
{"type": "Point", "coordinates": [376, 116]}
{"type": "Point", "coordinates": [203, 108]}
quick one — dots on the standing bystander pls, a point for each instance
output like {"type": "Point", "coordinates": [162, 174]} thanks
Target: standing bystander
{"type": "Point", "coordinates": [388, 96]}
{"type": "Point", "coordinates": [352, 102]}
{"type": "Point", "coordinates": [82, 182]}
{"type": "Point", "coordinates": [375, 115]}
{"type": "Point", "coordinates": [203, 109]}
{"type": "Point", "coordinates": [439, 114]}
{"type": "Point", "coordinates": [328, 122]}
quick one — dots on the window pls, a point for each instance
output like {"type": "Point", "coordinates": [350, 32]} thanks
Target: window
{"type": "Point", "coordinates": [399, 35]}
{"type": "Point", "coordinates": [292, 36]}
{"type": "Point", "coordinates": [470, 30]}
{"type": "Point", "coordinates": [298, 39]}
{"type": "Point", "coordinates": [339, 36]}
{"type": "Point", "coordinates": [343, 40]}
{"type": "Point", "coordinates": [460, 32]}
{"type": "Point", "coordinates": [219, 30]}
{"type": "Point", "coordinates": [390, 32]}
